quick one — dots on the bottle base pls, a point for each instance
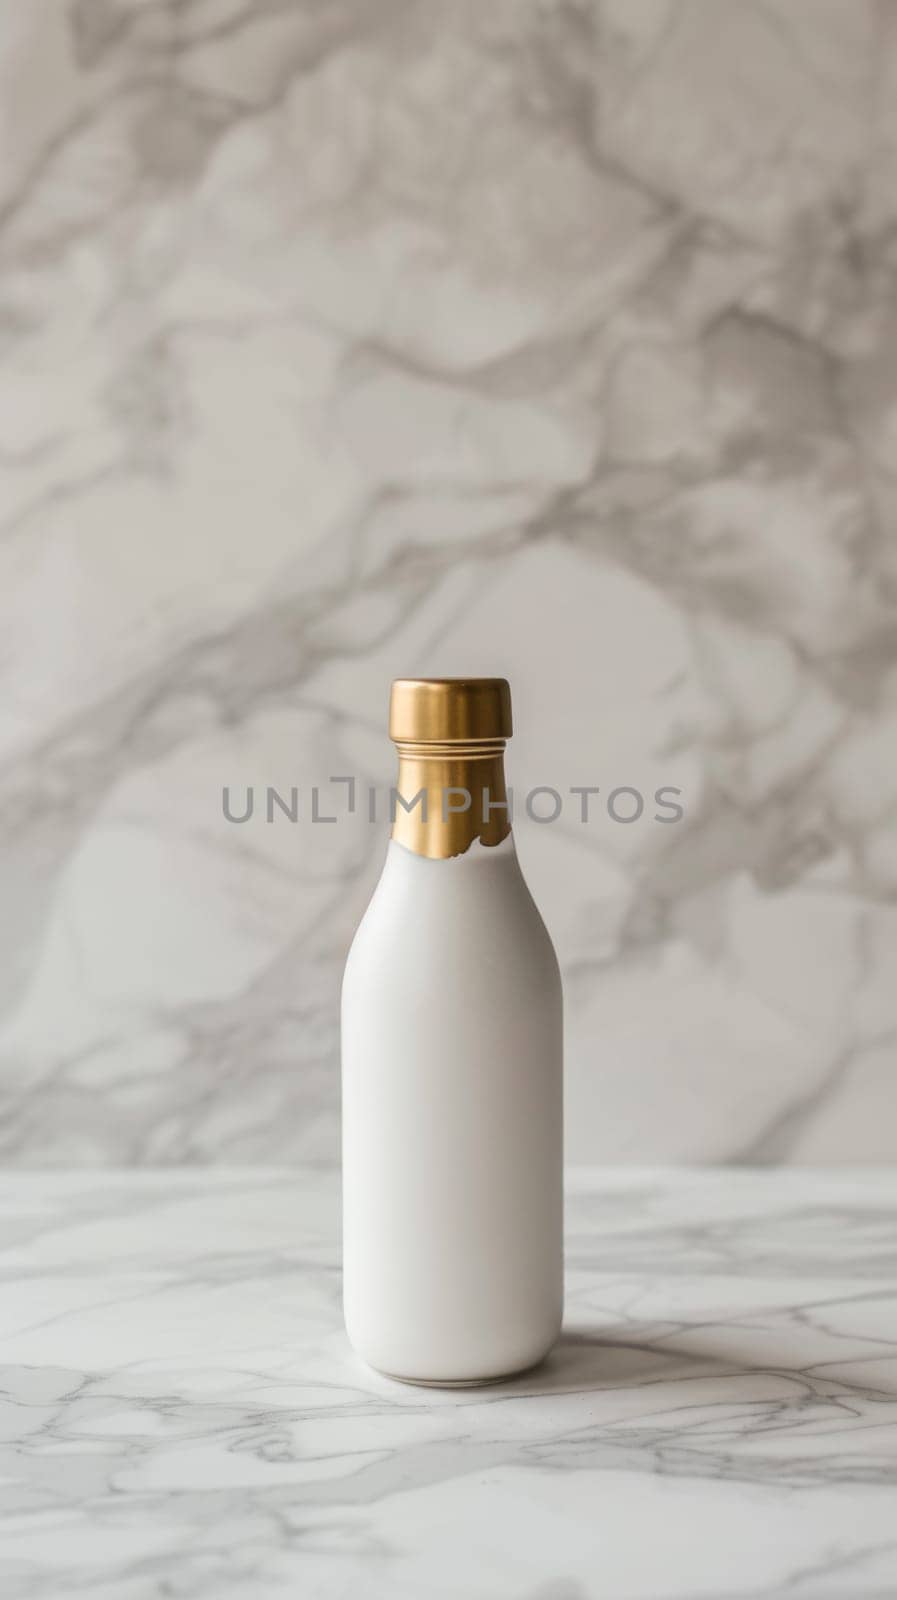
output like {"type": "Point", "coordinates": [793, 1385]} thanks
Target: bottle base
{"type": "Point", "coordinates": [462, 1383]}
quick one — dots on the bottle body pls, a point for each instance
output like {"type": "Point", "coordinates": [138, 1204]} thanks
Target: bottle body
{"type": "Point", "coordinates": [452, 1122]}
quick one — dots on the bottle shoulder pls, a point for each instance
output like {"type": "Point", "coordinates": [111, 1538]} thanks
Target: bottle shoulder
{"type": "Point", "coordinates": [471, 910]}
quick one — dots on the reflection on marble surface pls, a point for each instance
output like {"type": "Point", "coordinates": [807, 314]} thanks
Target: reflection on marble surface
{"type": "Point", "coordinates": [185, 1417]}
{"type": "Point", "coordinates": [545, 337]}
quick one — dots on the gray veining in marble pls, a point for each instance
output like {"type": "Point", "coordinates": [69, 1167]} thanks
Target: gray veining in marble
{"type": "Point", "coordinates": [542, 337]}
{"type": "Point", "coordinates": [184, 1416]}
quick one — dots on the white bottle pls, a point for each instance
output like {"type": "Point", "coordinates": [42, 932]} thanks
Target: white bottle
{"type": "Point", "coordinates": [452, 1068]}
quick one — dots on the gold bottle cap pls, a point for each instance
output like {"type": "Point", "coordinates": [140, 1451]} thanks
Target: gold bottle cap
{"type": "Point", "coordinates": [454, 711]}
{"type": "Point", "coordinates": [450, 734]}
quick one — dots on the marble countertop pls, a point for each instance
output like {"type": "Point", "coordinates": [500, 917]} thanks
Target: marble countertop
{"type": "Point", "coordinates": [182, 1415]}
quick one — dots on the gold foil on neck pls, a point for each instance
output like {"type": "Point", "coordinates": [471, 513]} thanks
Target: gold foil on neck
{"type": "Point", "coordinates": [450, 734]}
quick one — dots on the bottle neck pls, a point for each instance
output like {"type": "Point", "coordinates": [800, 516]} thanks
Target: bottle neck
{"type": "Point", "coordinates": [448, 795]}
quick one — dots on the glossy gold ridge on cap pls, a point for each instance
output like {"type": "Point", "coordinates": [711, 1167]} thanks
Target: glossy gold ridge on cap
{"type": "Point", "coordinates": [450, 734]}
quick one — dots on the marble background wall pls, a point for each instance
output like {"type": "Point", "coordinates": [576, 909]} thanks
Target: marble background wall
{"type": "Point", "coordinates": [345, 339]}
